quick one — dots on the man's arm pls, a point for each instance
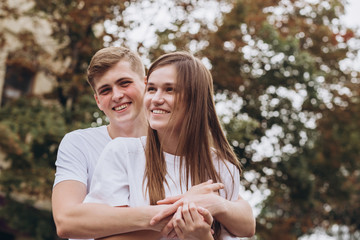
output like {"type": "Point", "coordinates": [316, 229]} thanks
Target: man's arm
{"type": "Point", "coordinates": [138, 235]}
{"type": "Point", "coordinates": [75, 219]}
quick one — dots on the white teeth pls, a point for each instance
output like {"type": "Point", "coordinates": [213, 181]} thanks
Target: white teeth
{"type": "Point", "coordinates": [121, 107]}
{"type": "Point", "coordinates": [159, 111]}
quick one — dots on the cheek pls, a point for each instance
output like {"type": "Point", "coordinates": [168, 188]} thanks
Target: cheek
{"type": "Point", "coordinates": [171, 101]}
{"type": "Point", "coordinates": [147, 101]}
{"type": "Point", "coordinates": [101, 103]}
{"type": "Point", "coordinates": [139, 87]}
{"type": "Point", "coordinates": [137, 93]}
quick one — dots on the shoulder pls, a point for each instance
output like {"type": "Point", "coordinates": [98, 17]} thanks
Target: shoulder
{"type": "Point", "coordinates": [92, 131]}
{"type": "Point", "coordinates": [229, 176]}
{"type": "Point", "coordinates": [223, 166]}
{"type": "Point", "coordinates": [121, 152]}
{"type": "Point", "coordinates": [125, 143]}
{"type": "Point", "coordinates": [87, 135]}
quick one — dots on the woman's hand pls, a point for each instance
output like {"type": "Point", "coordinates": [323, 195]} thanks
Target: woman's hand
{"type": "Point", "coordinates": [200, 191]}
{"type": "Point", "coordinates": [193, 223]}
{"type": "Point", "coordinates": [204, 195]}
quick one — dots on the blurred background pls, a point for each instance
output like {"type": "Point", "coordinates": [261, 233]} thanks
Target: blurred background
{"type": "Point", "coordinates": [286, 75]}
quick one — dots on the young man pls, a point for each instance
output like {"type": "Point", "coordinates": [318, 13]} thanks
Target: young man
{"type": "Point", "coordinates": [117, 77]}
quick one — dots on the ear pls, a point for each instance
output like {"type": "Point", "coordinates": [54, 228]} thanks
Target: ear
{"type": "Point", "coordinates": [97, 101]}
{"type": "Point", "coordinates": [145, 80]}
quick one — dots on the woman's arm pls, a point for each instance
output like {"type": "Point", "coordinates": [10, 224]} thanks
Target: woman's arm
{"type": "Point", "coordinates": [236, 216]}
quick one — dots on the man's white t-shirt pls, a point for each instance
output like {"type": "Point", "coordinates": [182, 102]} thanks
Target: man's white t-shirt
{"type": "Point", "coordinates": [118, 177]}
{"type": "Point", "coordinates": [78, 153]}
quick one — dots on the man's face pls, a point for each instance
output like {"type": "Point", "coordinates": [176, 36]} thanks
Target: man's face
{"type": "Point", "coordinates": [119, 94]}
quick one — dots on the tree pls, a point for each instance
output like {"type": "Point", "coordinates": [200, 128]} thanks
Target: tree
{"type": "Point", "coordinates": [283, 60]}
{"type": "Point", "coordinates": [32, 127]}
{"type": "Point", "coordinates": [30, 143]}
{"type": "Point", "coordinates": [294, 128]}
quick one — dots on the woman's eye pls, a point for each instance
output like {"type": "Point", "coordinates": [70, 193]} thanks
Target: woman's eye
{"type": "Point", "coordinates": [104, 91]}
{"type": "Point", "coordinates": [150, 89]}
{"type": "Point", "coordinates": [170, 89]}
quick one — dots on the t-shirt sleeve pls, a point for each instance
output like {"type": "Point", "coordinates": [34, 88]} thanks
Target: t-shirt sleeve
{"type": "Point", "coordinates": [230, 177]}
{"type": "Point", "coordinates": [71, 160]}
{"type": "Point", "coordinates": [110, 184]}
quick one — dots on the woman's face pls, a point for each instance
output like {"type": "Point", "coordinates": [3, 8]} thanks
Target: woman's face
{"type": "Point", "coordinates": [159, 101]}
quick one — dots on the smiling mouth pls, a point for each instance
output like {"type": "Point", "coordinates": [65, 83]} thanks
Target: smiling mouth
{"type": "Point", "coordinates": [121, 107]}
{"type": "Point", "coordinates": [157, 111]}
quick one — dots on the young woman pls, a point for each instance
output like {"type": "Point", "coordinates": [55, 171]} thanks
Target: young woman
{"type": "Point", "coordinates": [185, 146]}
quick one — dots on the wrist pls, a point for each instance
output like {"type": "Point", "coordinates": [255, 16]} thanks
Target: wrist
{"type": "Point", "coordinates": [150, 212]}
{"type": "Point", "coordinates": [220, 208]}
{"type": "Point", "coordinates": [209, 236]}
{"type": "Point", "coordinates": [144, 216]}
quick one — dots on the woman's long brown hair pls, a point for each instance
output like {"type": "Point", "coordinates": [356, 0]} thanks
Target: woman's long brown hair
{"type": "Point", "coordinates": [200, 136]}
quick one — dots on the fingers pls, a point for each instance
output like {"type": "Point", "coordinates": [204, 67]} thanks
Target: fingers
{"type": "Point", "coordinates": [210, 181]}
{"type": "Point", "coordinates": [168, 228]}
{"type": "Point", "coordinates": [216, 186]}
{"type": "Point", "coordinates": [173, 234]}
{"type": "Point", "coordinates": [166, 212]}
{"type": "Point", "coordinates": [206, 215]}
{"type": "Point", "coordinates": [170, 200]}
{"type": "Point", "coordinates": [204, 188]}
{"type": "Point", "coordinates": [178, 223]}
{"type": "Point", "coordinates": [191, 222]}
{"type": "Point", "coordinates": [212, 187]}
{"type": "Point", "coordinates": [196, 217]}
{"type": "Point", "coordinates": [186, 213]}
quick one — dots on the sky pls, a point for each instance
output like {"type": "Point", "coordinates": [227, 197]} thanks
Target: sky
{"type": "Point", "coordinates": [352, 18]}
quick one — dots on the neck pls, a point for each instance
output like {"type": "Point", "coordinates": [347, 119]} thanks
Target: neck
{"type": "Point", "coordinates": [137, 128]}
{"type": "Point", "coordinates": [169, 142]}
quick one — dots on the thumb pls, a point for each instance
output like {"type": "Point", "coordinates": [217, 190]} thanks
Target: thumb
{"type": "Point", "coordinates": [206, 215]}
{"type": "Point", "coordinates": [170, 200]}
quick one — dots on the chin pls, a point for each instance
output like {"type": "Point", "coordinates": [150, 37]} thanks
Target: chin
{"type": "Point", "coordinates": [156, 127]}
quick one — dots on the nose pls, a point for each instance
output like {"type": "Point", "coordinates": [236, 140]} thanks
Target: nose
{"type": "Point", "coordinates": [158, 98]}
{"type": "Point", "coordinates": [117, 94]}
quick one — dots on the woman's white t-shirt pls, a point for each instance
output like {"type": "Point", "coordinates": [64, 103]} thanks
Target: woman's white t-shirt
{"type": "Point", "coordinates": [119, 173]}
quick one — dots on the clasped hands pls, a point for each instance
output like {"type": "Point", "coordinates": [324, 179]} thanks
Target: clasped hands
{"type": "Point", "coordinates": [193, 210]}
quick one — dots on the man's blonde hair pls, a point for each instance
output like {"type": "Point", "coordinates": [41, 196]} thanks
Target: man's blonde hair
{"type": "Point", "coordinates": [106, 58]}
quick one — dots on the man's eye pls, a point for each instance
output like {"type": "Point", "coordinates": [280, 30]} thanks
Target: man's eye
{"type": "Point", "coordinates": [104, 91]}
{"type": "Point", "coordinates": [125, 83]}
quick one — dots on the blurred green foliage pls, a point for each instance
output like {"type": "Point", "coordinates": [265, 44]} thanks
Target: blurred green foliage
{"type": "Point", "coordinates": [32, 133]}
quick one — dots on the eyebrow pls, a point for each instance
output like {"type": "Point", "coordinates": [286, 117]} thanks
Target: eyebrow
{"type": "Point", "coordinates": [165, 84]}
